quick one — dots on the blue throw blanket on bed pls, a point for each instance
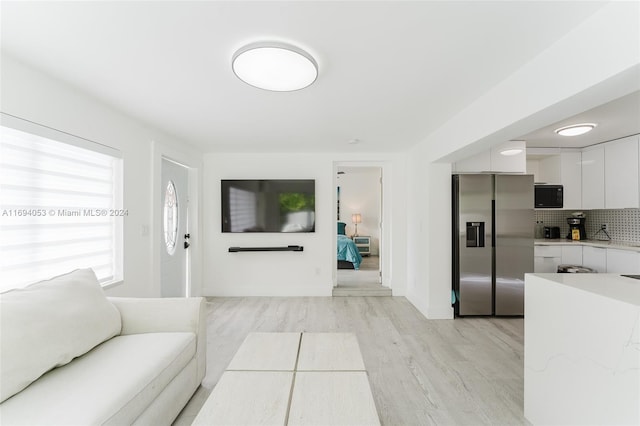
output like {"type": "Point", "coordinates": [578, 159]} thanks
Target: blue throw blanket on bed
{"type": "Point", "coordinates": [348, 251]}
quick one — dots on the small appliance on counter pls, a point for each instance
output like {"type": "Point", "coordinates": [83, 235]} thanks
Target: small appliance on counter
{"type": "Point", "coordinates": [551, 232]}
{"type": "Point", "coordinates": [577, 230]}
{"type": "Point", "coordinates": [575, 269]}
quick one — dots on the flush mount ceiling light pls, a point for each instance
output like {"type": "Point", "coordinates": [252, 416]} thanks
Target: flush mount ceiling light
{"type": "Point", "coordinates": [510, 152]}
{"type": "Point", "coordinates": [275, 66]}
{"type": "Point", "coordinates": [576, 129]}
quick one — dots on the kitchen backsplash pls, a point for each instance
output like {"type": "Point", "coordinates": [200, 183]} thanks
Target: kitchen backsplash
{"type": "Point", "coordinates": [624, 225]}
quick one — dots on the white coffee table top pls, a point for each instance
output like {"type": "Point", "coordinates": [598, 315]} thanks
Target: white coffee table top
{"type": "Point", "coordinates": [267, 351]}
{"type": "Point", "coordinates": [330, 352]}
{"type": "Point", "coordinates": [332, 398]}
{"type": "Point", "coordinates": [294, 379]}
{"type": "Point", "coordinates": [247, 398]}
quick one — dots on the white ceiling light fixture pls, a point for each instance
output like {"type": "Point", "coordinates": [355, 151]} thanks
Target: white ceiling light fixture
{"type": "Point", "coordinates": [275, 66]}
{"type": "Point", "coordinates": [510, 152]}
{"type": "Point", "coordinates": [576, 129]}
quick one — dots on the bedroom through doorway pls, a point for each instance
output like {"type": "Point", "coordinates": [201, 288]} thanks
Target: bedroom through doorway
{"type": "Point", "coordinates": [359, 219]}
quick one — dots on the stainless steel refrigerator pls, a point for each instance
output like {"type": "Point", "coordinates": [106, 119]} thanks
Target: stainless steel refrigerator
{"type": "Point", "coordinates": [493, 228]}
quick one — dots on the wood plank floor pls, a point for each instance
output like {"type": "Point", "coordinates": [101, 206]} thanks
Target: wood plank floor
{"type": "Point", "coordinates": [446, 372]}
{"type": "Point", "coordinates": [363, 282]}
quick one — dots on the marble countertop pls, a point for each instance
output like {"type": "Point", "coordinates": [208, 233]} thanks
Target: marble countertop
{"type": "Point", "coordinates": [621, 245]}
{"type": "Point", "coordinates": [612, 286]}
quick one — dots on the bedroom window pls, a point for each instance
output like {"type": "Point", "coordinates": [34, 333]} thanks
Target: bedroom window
{"type": "Point", "coordinates": [60, 205]}
{"type": "Point", "coordinates": [243, 205]}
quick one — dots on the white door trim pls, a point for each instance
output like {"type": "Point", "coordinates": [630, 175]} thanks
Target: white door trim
{"type": "Point", "coordinates": [193, 163]}
{"type": "Point", "coordinates": [385, 232]}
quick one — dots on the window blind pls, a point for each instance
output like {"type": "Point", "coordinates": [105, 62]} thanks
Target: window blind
{"type": "Point", "coordinates": [58, 207]}
{"type": "Point", "coordinates": [242, 205]}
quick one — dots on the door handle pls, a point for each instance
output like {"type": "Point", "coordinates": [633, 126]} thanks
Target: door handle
{"type": "Point", "coordinates": [186, 245]}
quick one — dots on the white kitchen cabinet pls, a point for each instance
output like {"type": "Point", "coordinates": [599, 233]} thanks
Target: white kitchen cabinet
{"type": "Point", "coordinates": [572, 255]}
{"type": "Point", "coordinates": [549, 170]}
{"type": "Point", "coordinates": [623, 261]}
{"type": "Point", "coordinates": [593, 177]}
{"type": "Point", "coordinates": [595, 258]}
{"type": "Point", "coordinates": [621, 173]}
{"type": "Point", "coordinates": [546, 259]}
{"type": "Point", "coordinates": [559, 167]}
{"type": "Point", "coordinates": [542, 265]}
{"type": "Point", "coordinates": [571, 179]}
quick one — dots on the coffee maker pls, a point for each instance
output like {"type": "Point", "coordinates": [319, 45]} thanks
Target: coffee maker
{"type": "Point", "coordinates": [577, 229]}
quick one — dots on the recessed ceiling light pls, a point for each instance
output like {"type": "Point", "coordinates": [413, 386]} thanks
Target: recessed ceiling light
{"type": "Point", "coordinates": [354, 141]}
{"type": "Point", "coordinates": [576, 129]}
{"type": "Point", "coordinates": [510, 152]}
{"type": "Point", "coordinates": [275, 66]}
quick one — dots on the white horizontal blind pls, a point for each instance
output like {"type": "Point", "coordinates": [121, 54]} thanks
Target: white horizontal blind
{"type": "Point", "coordinates": [242, 207]}
{"type": "Point", "coordinates": [58, 207]}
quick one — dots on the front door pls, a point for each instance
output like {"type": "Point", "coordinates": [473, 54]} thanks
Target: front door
{"type": "Point", "coordinates": [174, 231]}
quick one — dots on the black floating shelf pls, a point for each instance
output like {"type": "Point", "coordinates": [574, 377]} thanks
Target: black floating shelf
{"type": "Point", "coordinates": [287, 248]}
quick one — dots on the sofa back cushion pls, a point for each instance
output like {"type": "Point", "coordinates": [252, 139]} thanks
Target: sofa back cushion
{"type": "Point", "coordinates": [47, 324]}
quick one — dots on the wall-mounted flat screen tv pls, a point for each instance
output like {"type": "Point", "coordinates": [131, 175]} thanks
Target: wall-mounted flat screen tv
{"type": "Point", "coordinates": [275, 205]}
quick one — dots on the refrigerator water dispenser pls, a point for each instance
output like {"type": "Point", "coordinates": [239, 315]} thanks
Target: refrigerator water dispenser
{"type": "Point", "coordinates": [475, 234]}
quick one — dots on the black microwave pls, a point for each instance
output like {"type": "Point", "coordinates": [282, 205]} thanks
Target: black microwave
{"type": "Point", "coordinates": [548, 196]}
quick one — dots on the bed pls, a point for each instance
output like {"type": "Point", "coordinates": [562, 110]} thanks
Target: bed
{"type": "Point", "coordinates": [348, 255]}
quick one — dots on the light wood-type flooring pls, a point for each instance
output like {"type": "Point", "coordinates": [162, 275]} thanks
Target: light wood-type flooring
{"type": "Point", "coordinates": [362, 282]}
{"type": "Point", "coordinates": [422, 372]}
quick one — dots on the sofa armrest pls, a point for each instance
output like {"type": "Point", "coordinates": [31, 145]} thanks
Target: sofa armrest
{"type": "Point", "coordinates": [157, 315]}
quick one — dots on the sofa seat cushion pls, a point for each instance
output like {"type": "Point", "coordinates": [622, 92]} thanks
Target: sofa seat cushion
{"type": "Point", "coordinates": [47, 324]}
{"type": "Point", "coordinates": [113, 383]}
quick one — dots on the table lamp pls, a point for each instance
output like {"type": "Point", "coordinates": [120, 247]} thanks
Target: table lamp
{"type": "Point", "coordinates": [356, 218]}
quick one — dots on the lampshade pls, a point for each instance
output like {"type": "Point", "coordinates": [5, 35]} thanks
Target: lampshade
{"type": "Point", "coordinates": [275, 66]}
{"type": "Point", "coordinates": [356, 218]}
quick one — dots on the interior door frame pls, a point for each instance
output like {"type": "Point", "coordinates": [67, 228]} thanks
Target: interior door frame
{"type": "Point", "coordinates": [194, 258]}
{"type": "Point", "coordinates": [385, 217]}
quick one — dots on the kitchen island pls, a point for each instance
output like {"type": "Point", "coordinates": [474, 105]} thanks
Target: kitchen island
{"type": "Point", "coordinates": [582, 349]}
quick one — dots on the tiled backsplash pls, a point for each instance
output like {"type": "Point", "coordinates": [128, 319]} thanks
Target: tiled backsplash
{"type": "Point", "coordinates": [624, 225]}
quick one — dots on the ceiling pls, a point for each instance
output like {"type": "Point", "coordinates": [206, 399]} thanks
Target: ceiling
{"type": "Point", "coordinates": [615, 119]}
{"type": "Point", "coordinates": [389, 72]}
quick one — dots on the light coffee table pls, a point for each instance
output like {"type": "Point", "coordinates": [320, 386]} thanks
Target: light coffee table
{"type": "Point", "coordinates": [293, 379]}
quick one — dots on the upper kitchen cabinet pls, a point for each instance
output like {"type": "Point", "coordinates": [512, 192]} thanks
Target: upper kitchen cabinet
{"type": "Point", "coordinates": [593, 177]}
{"type": "Point", "coordinates": [571, 178]}
{"type": "Point", "coordinates": [509, 157]}
{"type": "Point", "coordinates": [558, 167]}
{"type": "Point", "coordinates": [621, 179]}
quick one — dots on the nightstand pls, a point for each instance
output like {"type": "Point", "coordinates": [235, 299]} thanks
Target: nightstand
{"type": "Point", "coordinates": [363, 243]}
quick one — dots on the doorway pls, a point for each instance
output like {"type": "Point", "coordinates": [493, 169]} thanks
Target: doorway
{"type": "Point", "coordinates": [174, 229]}
{"type": "Point", "coordinates": [359, 215]}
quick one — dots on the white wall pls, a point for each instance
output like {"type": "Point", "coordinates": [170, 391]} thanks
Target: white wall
{"type": "Point", "coordinates": [32, 95]}
{"type": "Point", "coordinates": [596, 62]}
{"type": "Point", "coordinates": [429, 241]}
{"type": "Point", "coordinates": [308, 273]}
{"type": "Point", "coordinates": [360, 193]}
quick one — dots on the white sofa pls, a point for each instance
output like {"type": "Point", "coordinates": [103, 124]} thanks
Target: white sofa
{"type": "Point", "coordinates": [71, 356]}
